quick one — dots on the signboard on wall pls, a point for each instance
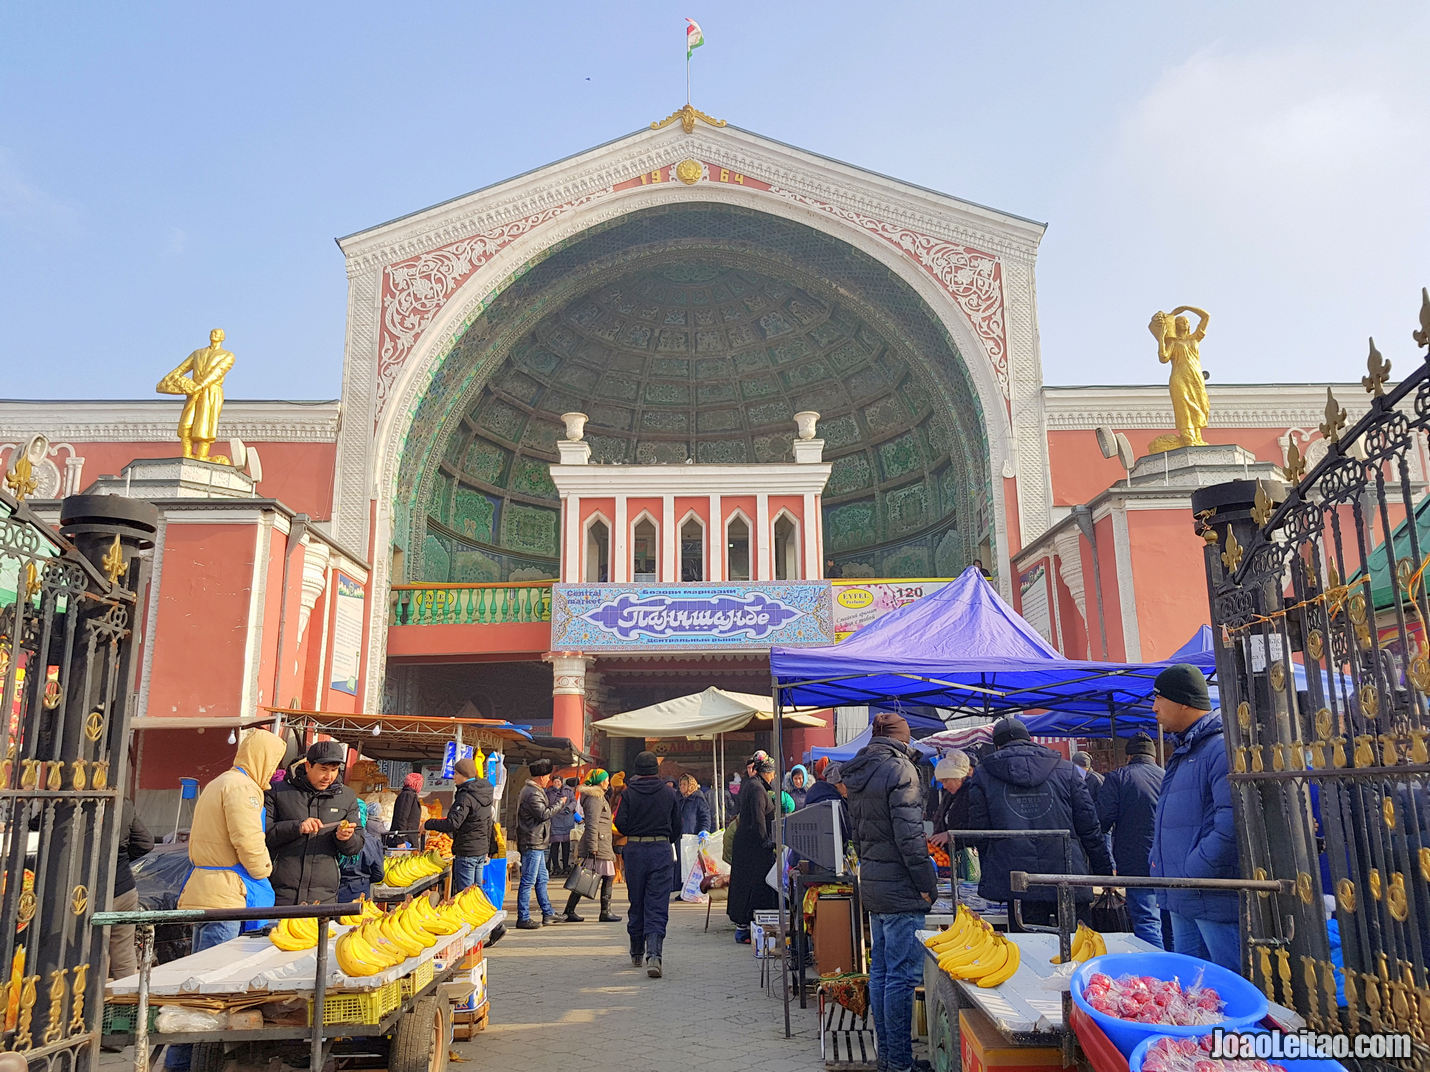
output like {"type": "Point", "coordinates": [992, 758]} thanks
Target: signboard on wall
{"type": "Point", "coordinates": [1036, 607]}
{"type": "Point", "coordinates": [633, 617]}
{"type": "Point", "coordinates": [857, 605]}
{"type": "Point", "coordinates": [347, 635]}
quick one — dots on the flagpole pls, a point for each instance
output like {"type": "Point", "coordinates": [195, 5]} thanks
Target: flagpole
{"type": "Point", "coordinates": [687, 74]}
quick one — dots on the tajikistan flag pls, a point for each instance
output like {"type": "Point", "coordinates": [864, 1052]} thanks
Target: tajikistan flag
{"type": "Point", "coordinates": [694, 38]}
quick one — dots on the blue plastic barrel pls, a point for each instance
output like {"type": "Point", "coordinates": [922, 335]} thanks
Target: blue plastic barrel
{"type": "Point", "coordinates": [494, 881]}
{"type": "Point", "coordinates": [1245, 1005]}
{"type": "Point", "coordinates": [188, 788]}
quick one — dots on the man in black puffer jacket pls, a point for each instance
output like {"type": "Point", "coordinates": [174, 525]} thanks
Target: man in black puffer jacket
{"type": "Point", "coordinates": [1127, 804]}
{"type": "Point", "coordinates": [469, 821]}
{"type": "Point", "coordinates": [896, 878]}
{"type": "Point", "coordinates": [312, 819]}
{"type": "Point", "coordinates": [1024, 786]}
{"type": "Point", "coordinates": [648, 813]}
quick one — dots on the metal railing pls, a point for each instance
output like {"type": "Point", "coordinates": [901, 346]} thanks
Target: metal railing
{"type": "Point", "coordinates": [146, 921]}
{"type": "Point", "coordinates": [513, 603]}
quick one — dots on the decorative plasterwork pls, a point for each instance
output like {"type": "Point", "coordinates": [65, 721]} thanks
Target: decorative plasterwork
{"type": "Point", "coordinates": [1067, 546]}
{"type": "Point", "coordinates": [145, 421]}
{"type": "Point", "coordinates": [1233, 406]}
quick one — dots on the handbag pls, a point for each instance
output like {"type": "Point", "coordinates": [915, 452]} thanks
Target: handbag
{"type": "Point", "coordinates": [583, 882]}
{"type": "Point", "coordinates": [1108, 912]}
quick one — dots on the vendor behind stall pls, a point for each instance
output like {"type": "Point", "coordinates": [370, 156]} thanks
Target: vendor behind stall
{"type": "Point", "coordinates": [312, 820]}
{"type": "Point", "coordinates": [469, 822]}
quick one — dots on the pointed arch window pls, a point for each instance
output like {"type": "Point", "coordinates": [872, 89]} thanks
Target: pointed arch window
{"type": "Point", "coordinates": [598, 551]}
{"type": "Point", "coordinates": [737, 549]}
{"type": "Point", "coordinates": [786, 548]}
{"type": "Point", "coordinates": [644, 538]}
{"type": "Point", "coordinates": [692, 550]}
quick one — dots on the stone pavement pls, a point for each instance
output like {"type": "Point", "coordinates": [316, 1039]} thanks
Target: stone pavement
{"type": "Point", "coordinates": [566, 997]}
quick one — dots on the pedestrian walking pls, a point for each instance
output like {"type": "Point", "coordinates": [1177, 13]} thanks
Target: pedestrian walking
{"type": "Point", "coordinates": [897, 879]}
{"type": "Point", "coordinates": [407, 814]}
{"type": "Point", "coordinates": [1127, 805]}
{"type": "Point", "coordinates": [594, 851]}
{"type": "Point", "coordinates": [753, 853]}
{"type": "Point", "coordinates": [469, 822]}
{"type": "Point", "coordinates": [648, 813]}
{"type": "Point", "coordinates": [1195, 829]}
{"type": "Point", "coordinates": [534, 813]}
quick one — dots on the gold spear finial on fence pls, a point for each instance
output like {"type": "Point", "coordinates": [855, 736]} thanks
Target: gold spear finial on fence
{"type": "Point", "coordinates": [1379, 372]}
{"type": "Point", "coordinates": [1335, 419]}
{"type": "Point", "coordinates": [1422, 337]}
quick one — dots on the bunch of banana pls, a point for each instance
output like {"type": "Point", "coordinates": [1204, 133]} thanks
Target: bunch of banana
{"type": "Point", "coordinates": [357, 956]}
{"type": "Point", "coordinates": [405, 870]}
{"type": "Point", "coordinates": [471, 906]}
{"type": "Point", "coordinates": [368, 911]}
{"type": "Point", "coordinates": [294, 934]}
{"type": "Point", "coordinates": [1086, 944]}
{"type": "Point", "coordinates": [974, 951]}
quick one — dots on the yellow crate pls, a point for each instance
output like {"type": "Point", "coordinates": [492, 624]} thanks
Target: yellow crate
{"type": "Point", "coordinates": [362, 1007]}
{"type": "Point", "coordinates": [417, 981]}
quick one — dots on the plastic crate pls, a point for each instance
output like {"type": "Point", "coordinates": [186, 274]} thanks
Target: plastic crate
{"type": "Point", "coordinates": [123, 1019]}
{"type": "Point", "coordinates": [362, 1007]}
{"type": "Point", "coordinates": [418, 980]}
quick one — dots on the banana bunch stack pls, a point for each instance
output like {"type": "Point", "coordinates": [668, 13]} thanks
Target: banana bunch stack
{"type": "Point", "coordinates": [368, 911]}
{"type": "Point", "coordinates": [974, 951]}
{"type": "Point", "coordinates": [1086, 944]}
{"type": "Point", "coordinates": [293, 934]}
{"type": "Point", "coordinates": [405, 870]}
{"type": "Point", "coordinates": [387, 939]}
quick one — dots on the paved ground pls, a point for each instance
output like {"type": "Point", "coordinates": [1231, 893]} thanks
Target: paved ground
{"type": "Point", "coordinates": [567, 997]}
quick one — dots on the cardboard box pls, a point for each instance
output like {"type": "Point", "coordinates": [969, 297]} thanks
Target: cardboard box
{"type": "Point", "coordinates": [985, 1050]}
{"type": "Point", "coordinates": [477, 979]}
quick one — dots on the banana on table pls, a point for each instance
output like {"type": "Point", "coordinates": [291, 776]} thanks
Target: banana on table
{"type": "Point", "coordinates": [973, 951]}
{"type": "Point", "coordinates": [400, 871]}
{"type": "Point", "coordinates": [1086, 944]}
{"type": "Point", "coordinates": [379, 940]}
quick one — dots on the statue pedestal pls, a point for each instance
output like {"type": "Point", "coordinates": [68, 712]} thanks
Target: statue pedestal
{"type": "Point", "coordinates": [1198, 467]}
{"type": "Point", "coordinates": [177, 478]}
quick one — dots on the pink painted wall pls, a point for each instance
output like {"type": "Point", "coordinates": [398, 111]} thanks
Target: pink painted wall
{"type": "Point", "coordinates": [1168, 577]}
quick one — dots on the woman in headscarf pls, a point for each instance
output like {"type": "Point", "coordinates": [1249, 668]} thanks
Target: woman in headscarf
{"type": "Point", "coordinates": [407, 814]}
{"type": "Point", "coordinates": [617, 784]}
{"type": "Point", "coordinates": [594, 851]}
{"type": "Point", "coordinates": [754, 851]}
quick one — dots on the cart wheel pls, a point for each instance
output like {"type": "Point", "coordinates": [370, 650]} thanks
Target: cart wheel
{"type": "Point", "coordinates": [207, 1057]}
{"type": "Point", "coordinates": [419, 1043]}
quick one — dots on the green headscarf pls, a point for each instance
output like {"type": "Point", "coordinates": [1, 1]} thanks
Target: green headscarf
{"type": "Point", "coordinates": [597, 777]}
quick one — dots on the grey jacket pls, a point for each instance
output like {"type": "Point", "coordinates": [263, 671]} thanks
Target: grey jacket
{"type": "Point", "coordinates": [534, 813]}
{"type": "Point", "coordinates": [595, 841]}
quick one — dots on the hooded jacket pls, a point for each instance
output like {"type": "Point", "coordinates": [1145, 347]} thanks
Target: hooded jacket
{"type": "Point", "coordinates": [595, 841]}
{"type": "Point", "coordinates": [1024, 786]}
{"type": "Point", "coordinates": [1127, 805]}
{"type": "Point", "coordinates": [305, 866]}
{"type": "Point", "coordinates": [406, 818]}
{"type": "Point", "coordinates": [358, 873]}
{"type": "Point", "coordinates": [647, 807]}
{"type": "Point", "coordinates": [799, 794]}
{"type": "Point", "coordinates": [469, 819]}
{"type": "Point", "coordinates": [228, 826]}
{"type": "Point", "coordinates": [886, 812]}
{"type": "Point", "coordinates": [1195, 835]}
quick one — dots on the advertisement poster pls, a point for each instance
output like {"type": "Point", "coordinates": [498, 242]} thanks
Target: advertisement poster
{"type": "Point", "coordinates": [856, 605]}
{"type": "Point", "coordinates": [627, 617]}
{"type": "Point", "coordinates": [347, 635]}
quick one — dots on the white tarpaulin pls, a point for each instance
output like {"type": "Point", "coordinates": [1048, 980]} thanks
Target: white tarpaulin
{"type": "Point", "coordinates": [702, 714]}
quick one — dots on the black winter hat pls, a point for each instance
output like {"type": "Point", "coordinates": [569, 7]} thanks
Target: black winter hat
{"type": "Point", "coordinates": [540, 768]}
{"type": "Point", "coordinates": [326, 752]}
{"type": "Point", "coordinates": [1139, 744]}
{"type": "Point", "coordinates": [646, 764]}
{"type": "Point", "coordinates": [1183, 683]}
{"type": "Point", "coordinates": [1007, 730]}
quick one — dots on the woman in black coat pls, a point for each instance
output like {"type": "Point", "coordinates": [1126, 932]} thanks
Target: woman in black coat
{"type": "Point", "coordinates": [407, 814]}
{"type": "Point", "coordinates": [754, 851]}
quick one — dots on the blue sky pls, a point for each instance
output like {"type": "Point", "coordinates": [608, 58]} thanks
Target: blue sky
{"type": "Point", "coordinates": [170, 167]}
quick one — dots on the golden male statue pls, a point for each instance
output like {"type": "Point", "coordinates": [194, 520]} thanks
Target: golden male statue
{"type": "Point", "coordinates": [200, 376]}
{"type": "Point", "coordinates": [1178, 345]}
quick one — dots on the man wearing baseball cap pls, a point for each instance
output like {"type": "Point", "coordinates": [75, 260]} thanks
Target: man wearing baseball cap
{"type": "Point", "coordinates": [1195, 831]}
{"type": "Point", "coordinates": [312, 820]}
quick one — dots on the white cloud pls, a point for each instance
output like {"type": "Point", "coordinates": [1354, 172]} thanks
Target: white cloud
{"type": "Point", "coordinates": [27, 210]}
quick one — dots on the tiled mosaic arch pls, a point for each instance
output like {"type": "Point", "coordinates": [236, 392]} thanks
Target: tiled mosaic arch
{"type": "Point", "coordinates": [697, 330]}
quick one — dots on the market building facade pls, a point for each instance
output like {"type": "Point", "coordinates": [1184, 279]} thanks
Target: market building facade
{"type": "Point", "coordinates": [610, 429]}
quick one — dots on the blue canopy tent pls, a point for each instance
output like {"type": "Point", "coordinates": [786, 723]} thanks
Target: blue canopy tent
{"type": "Point", "coordinates": [962, 649]}
{"type": "Point", "coordinates": [842, 753]}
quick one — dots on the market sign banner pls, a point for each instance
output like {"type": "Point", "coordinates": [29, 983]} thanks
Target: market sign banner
{"type": "Point", "coordinates": [857, 604]}
{"type": "Point", "coordinates": [616, 617]}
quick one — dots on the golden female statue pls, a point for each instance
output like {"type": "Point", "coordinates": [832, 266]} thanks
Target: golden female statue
{"type": "Point", "coordinates": [1178, 345]}
{"type": "Point", "coordinates": [203, 384]}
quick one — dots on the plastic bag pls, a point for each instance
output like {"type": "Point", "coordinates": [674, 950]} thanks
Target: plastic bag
{"type": "Point", "coordinates": [691, 890]}
{"type": "Point", "coordinates": [175, 1019]}
{"type": "Point", "coordinates": [712, 854]}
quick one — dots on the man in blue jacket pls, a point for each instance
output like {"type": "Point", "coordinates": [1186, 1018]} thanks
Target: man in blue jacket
{"type": "Point", "coordinates": [1195, 834]}
{"type": "Point", "coordinates": [1127, 803]}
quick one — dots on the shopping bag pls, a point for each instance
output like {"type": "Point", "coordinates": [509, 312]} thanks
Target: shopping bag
{"type": "Point", "coordinates": [712, 854]}
{"type": "Point", "coordinates": [1108, 912]}
{"type": "Point", "coordinates": [691, 891]}
{"type": "Point", "coordinates": [583, 882]}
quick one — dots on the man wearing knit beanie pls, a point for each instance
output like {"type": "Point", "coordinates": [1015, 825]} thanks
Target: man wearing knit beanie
{"type": "Point", "coordinates": [1195, 831]}
{"type": "Point", "coordinates": [469, 822]}
{"type": "Point", "coordinates": [1127, 804]}
{"type": "Point", "coordinates": [648, 814]}
{"type": "Point", "coordinates": [897, 879]}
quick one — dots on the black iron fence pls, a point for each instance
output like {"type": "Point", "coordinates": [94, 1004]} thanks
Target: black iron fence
{"type": "Point", "coordinates": [70, 604]}
{"type": "Point", "coordinates": [1318, 598]}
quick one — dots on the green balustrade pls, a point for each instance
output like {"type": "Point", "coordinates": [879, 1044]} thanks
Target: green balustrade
{"type": "Point", "coordinates": [487, 604]}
